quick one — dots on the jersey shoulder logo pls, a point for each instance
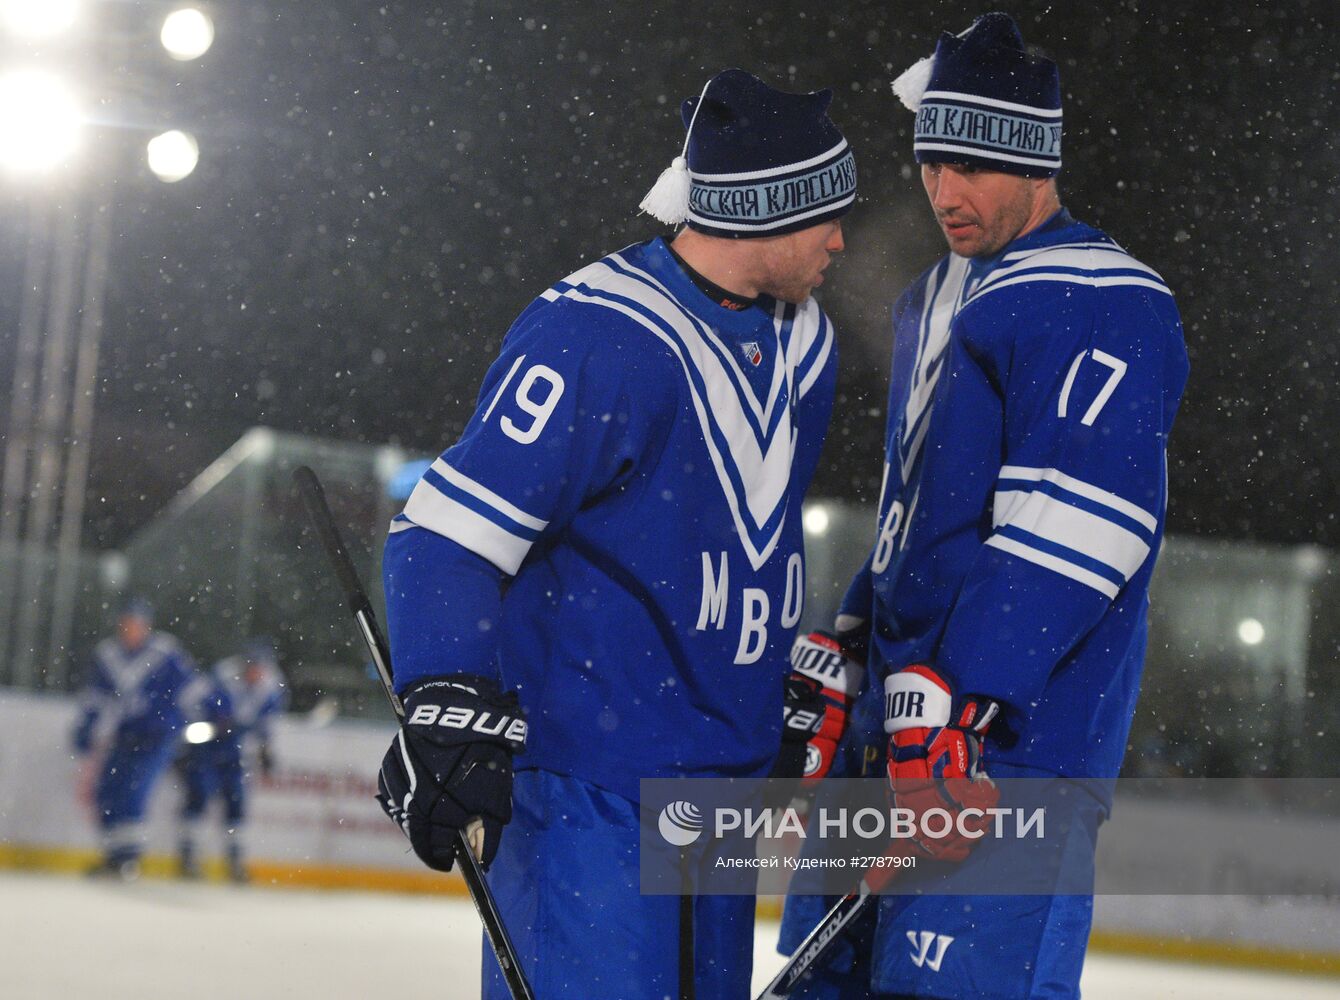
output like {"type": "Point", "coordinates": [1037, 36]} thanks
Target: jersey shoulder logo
{"type": "Point", "coordinates": [752, 353]}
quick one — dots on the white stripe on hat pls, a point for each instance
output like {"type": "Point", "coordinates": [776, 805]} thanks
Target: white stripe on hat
{"type": "Point", "coordinates": [990, 102]}
{"type": "Point", "coordinates": [985, 154]}
{"type": "Point", "coordinates": [773, 171]}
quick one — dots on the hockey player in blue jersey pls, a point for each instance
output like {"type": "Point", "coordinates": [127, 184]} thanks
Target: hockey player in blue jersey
{"type": "Point", "coordinates": [236, 701]}
{"type": "Point", "coordinates": [133, 697]}
{"type": "Point", "coordinates": [1036, 373]}
{"type": "Point", "coordinates": [613, 549]}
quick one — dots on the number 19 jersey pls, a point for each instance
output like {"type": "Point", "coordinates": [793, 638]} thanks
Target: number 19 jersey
{"type": "Point", "coordinates": [635, 465]}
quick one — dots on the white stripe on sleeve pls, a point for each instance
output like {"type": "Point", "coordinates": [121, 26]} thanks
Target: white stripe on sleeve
{"type": "Point", "coordinates": [1086, 533]}
{"type": "Point", "coordinates": [1083, 489]}
{"type": "Point", "coordinates": [480, 492]}
{"type": "Point", "coordinates": [429, 508]}
{"type": "Point", "coordinates": [1051, 562]}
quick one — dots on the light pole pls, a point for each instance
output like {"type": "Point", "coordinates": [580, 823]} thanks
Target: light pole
{"type": "Point", "coordinates": [48, 445]}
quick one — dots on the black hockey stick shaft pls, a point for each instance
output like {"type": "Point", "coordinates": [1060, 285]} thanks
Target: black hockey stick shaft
{"type": "Point", "coordinates": [314, 499]}
{"type": "Point", "coordinates": [817, 944]}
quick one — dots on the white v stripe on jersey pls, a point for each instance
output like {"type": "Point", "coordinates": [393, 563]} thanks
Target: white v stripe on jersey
{"type": "Point", "coordinates": [1073, 279]}
{"type": "Point", "coordinates": [755, 454]}
{"type": "Point", "coordinates": [762, 413]}
{"type": "Point", "coordinates": [807, 317]}
{"type": "Point", "coordinates": [761, 472]}
{"type": "Point", "coordinates": [1018, 255]}
{"type": "Point", "coordinates": [942, 303]}
{"type": "Point", "coordinates": [127, 671]}
{"type": "Point", "coordinates": [1092, 260]}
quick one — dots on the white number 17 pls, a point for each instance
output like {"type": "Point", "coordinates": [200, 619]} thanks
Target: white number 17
{"type": "Point", "coordinates": [1103, 358]}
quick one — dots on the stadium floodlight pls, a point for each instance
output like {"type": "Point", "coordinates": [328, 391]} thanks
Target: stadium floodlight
{"type": "Point", "coordinates": [187, 34]}
{"type": "Point", "coordinates": [39, 121]}
{"type": "Point", "coordinates": [37, 19]}
{"type": "Point", "coordinates": [1251, 632]}
{"type": "Point", "coordinates": [173, 155]}
{"type": "Point", "coordinates": [816, 520]}
{"type": "Point", "coordinates": [199, 732]}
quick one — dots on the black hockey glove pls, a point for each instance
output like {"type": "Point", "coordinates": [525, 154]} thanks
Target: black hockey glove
{"type": "Point", "coordinates": [827, 670]}
{"type": "Point", "coordinates": [802, 716]}
{"type": "Point", "coordinates": [265, 758]}
{"type": "Point", "coordinates": [450, 763]}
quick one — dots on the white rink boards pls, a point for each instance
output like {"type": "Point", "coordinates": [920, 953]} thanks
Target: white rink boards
{"type": "Point", "coordinates": [63, 936]}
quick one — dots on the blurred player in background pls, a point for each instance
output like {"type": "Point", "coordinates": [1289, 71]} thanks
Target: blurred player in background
{"type": "Point", "coordinates": [614, 549]}
{"type": "Point", "coordinates": [1036, 373]}
{"type": "Point", "coordinates": [232, 707]}
{"type": "Point", "coordinates": [132, 708]}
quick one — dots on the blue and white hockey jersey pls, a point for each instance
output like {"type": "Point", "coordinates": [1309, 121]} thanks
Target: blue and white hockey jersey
{"type": "Point", "coordinates": [1025, 483]}
{"type": "Point", "coordinates": [237, 706]}
{"type": "Point", "coordinates": [636, 466]}
{"type": "Point", "coordinates": [136, 694]}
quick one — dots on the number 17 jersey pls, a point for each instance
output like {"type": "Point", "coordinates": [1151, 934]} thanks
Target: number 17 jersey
{"type": "Point", "coordinates": [1025, 486]}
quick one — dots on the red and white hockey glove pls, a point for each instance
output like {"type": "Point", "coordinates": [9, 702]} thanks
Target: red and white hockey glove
{"type": "Point", "coordinates": [935, 760]}
{"type": "Point", "coordinates": [826, 675]}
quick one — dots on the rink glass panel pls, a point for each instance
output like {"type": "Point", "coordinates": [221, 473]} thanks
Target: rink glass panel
{"type": "Point", "coordinates": [1242, 640]}
{"type": "Point", "coordinates": [232, 557]}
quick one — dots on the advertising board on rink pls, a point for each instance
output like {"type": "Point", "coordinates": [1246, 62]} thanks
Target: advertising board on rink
{"type": "Point", "coordinates": [313, 821]}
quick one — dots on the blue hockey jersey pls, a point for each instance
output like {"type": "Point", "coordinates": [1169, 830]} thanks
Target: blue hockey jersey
{"type": "Point", "coordinates": [1025, 481]}
{"type": "Point", "coordinates": [136, 692]}
{"type": "Point", "coordinates": [239, 705]}
{"type": "Point", "coordinates": [635, 467]}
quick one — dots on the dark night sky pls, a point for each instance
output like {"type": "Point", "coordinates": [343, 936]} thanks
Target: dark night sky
{"type": "Point", "coordinates": [382, 188]}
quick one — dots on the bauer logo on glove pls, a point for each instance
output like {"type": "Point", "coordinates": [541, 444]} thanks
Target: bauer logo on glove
{"type": "Point", "coordinates": [451, 765]}
{"type": "Point", "coordinates": [485, 723]}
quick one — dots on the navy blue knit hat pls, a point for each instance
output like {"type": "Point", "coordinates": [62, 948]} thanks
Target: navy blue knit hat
{"type": "Point", "coordinates": [137, 607]}
{"type": "Point", "coordinates": [756, 162]}
{"type": "Point", "coordinates": [259, 650]}
{"type": "Point", "coordinates": [982, 99]}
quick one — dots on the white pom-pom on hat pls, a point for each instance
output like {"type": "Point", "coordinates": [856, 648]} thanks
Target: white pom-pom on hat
{"type": "Point", "coordinates": [668, 199]}
{"type": "Point", "coordinates": [911, 86]}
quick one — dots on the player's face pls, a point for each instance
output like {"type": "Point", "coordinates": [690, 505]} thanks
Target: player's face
{"type": "Point", "coordinates": [132, 631]}
{"type": "Point", "coordinates": [979, 211]}
{"type": "Point", "coordinates": [793, 265]}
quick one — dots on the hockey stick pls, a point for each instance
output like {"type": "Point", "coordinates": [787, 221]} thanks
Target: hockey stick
{"type": "Point", "coordinates": [816, 945]}
{"type": "Point", "coordinates": [314, 499]}
{"type": "Point", "coordinates": [830, 928]}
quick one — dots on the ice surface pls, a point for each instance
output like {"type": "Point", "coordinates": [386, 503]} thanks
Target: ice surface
{"type": "Point", "coordinates": [154, 940]}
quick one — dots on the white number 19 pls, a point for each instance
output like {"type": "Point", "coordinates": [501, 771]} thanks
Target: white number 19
{"type": "Point", "coordinates": [539, 410]}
